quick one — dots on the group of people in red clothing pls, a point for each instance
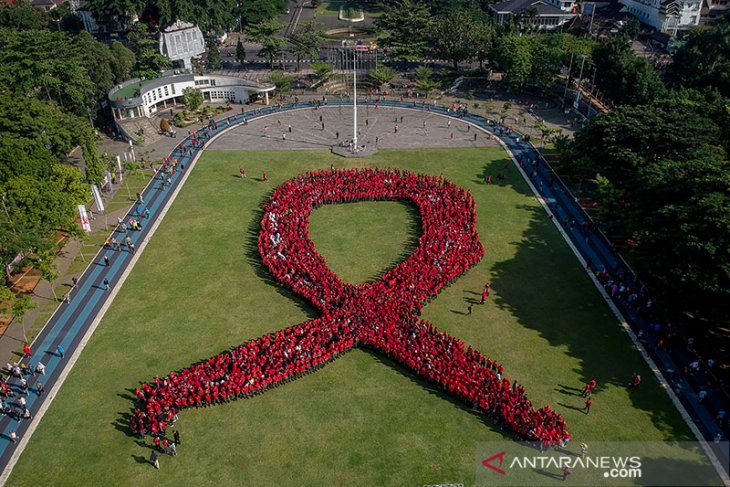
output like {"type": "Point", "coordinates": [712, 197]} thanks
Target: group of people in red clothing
{"type": "Point", "coordinates": [383, 315]}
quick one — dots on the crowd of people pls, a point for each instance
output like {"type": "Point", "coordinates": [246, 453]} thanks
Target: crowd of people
{"type": "Point", "coordinates": [383, 315]}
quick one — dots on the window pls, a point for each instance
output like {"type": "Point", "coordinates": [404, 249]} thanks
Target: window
{"type": "Point", "coordinates": [166, 92]}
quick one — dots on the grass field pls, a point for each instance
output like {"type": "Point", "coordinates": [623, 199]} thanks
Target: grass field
{"type": "Point", "coordinates": [199, 288]}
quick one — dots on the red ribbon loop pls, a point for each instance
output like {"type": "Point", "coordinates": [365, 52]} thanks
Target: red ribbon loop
{"type": "Point", "coordinates": [381, 315]}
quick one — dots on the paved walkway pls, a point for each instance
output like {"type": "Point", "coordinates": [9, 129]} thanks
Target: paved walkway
{"type": "Point", "coordinates": [72, 324]}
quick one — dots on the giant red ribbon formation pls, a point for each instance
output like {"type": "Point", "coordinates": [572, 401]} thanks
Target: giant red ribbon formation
{"type": "Point", "coordinates": [382, 315]}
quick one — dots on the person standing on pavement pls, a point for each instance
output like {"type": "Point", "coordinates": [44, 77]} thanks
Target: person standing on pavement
{"type": "Point", "coordinates": [59, 351]}
{"type": "Point", "coordinates": [107, 287]}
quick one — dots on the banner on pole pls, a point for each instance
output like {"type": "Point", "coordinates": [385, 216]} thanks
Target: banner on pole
{"type": "Point", "coordinates": [97, 198]}
{"type": "Point", "coordinates": [119, 166]}
{"type": "Point", "coordinates": [84, 218]}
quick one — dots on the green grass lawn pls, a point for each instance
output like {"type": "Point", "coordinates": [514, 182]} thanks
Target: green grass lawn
{"type": "Point", "coordinates": [200, 288]}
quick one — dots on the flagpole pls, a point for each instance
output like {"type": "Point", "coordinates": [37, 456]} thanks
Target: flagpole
{"type": "Point", "coordinates": [354, 90]}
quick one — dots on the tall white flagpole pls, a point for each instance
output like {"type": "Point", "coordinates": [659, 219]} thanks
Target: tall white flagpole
{"type": "Point", "coordinates": [354, 90]}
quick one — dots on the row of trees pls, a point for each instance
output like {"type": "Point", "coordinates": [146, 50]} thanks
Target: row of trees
{"type": "Point", "coordinates": [659, 163]}
{"type": "Point", "coordinates": [211, 15]}
{"type": "Point", "coordinates": [52, 84]}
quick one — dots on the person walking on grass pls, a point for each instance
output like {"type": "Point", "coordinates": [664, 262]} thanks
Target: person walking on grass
{"type": "Point", "coordinates": [469, 309]}
{"type": "Point", "coordinates": [154, 460]}
{"type": "Point", "coordinates": [587, 408]}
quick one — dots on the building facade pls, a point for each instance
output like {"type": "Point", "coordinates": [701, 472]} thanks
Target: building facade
{"type": "Point", "coordinates": [668, 16]}
{"type": "Point", "coordinates": [143, 98]}
{"type": "Point", "coordinates": [182, 41]}
{"type": "Point", "coordinates": [549, 14]}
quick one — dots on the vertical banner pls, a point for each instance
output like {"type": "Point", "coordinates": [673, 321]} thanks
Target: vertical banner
{"type": "Point", "coordinates": [84, 218]}
{"type": "Point", "coordinates": [108, 178]}
{"type": "Point", "coordinates": [97, 198]}
{"type": "Point", "coordinates": [124, 154]}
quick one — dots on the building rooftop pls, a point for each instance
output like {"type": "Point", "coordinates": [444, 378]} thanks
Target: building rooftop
{"type": "Point", "coordinates": [516, 6]}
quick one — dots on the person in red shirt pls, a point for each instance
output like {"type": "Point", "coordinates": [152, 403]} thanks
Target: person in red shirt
{"type": "Point", "coordinates": [587, 409]}
{"type": "Point", "coordinates": [26, 351]}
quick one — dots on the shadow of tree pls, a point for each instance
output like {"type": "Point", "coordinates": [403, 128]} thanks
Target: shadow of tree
{"type": "Point", "coordinates": [587, 331]}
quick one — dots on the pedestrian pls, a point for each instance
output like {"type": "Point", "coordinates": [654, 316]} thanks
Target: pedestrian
{"type": "Point", "coordinates": [59, 351]}
{"type": "Point", "coordinates": [266, 177]}
{"type": "Point", "coordinates": [154, 460]}
{"type": "Point", "coordinates": [131, 247]}
{"type": "Point", "coordinates": [452, 136]}
{"type": "Point", "coordinates": [40, 368]}
{"type": "Point", "coordinates": [147, 213]}
{"type": "Point", "coordinates": [173, 449]}
{"type": "Point", "coordinates": [13, 436]}
{"type": "Point", "coordinates": [322, 125]}
{"type": "Point", "coordinates": [106, 260]}
{"type": "Point", "coordinates": [485, 294]}
{"type": "Point", "coordinates": [566, 472]}
{"type": "Point", "coordinates": [39, 387]}
{"type": "Point", "coordinates": [367, 122]}
{"type": "Point", "coordinates": [469, 309]}
{"type": "Point", "coordinates": [106, 284]}
{"type": "Point", "coordinates": [475, 137]}
{"type": "Point", "coordinates": [176, 436]}
{"type": "Point", "coordinates": [448, 124]}
{"type": "Point", "coordinates": [289, 128]}
{"type": "Point", "coordinates": [242, 173]}
{"type": "Point", "coordinates": [587, 408]}
{"type": "Point", "coordinates": [337, 135]}
{"type": "Point", "coordinates": [26, 351]}
{"type": "Point", "coordinates": [468, 128]}
{"type": "Point", "coordinates": [588, 388]}
{"type": "Point", "coordinates": [75, 281]}
{"type": "Point", "coordinates": [583, 449]}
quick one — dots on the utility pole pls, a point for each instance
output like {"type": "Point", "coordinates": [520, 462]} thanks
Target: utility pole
{"type": "Point", "coordinates": [590, 94]}
{"type": "Point", "coordinates": [576, 103]}
{"type": "Point", "coordinates": [567, 82]}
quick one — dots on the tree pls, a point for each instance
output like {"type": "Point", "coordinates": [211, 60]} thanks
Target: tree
{"type": "Point", "coordinates": [21, 306]}
{"type": "Point", "coordinates": [123, 61]}
{"type": "Point", "coordinates": [623, 77]}
{"type": "Point", "coordinates": [424, 81]}
{"type": "Point", "coordinates": [49, 270]}
{"type": "Point", "coordinates": [37, 207]}
{"type": "Point", "coordinates": [704, 61]}
{"type": "Point", "coordinates": [46, 65]}
{"type": "Point", "coordinates": [527, 19]}
{"type": "Point", "coordinates": [213, 61]}
{"type": "Point", "coordinates": [240, 51]}
{"type": "Point", "coordinates": [483, 37]}
{"type": "Point", "coordinates": [70, 182]}
{"type": "Point", "coordinates": [322, 69]}
{"type": "Point", "coordinates": [383, 75]}
{"type": "Point", "coordinates": [307, 42]}
{"type": "Point", "coordinates": [23, 16]}
{"type": "Point", "coordinates": [255, 12]}
{"type": "Point", "coordinates": [98, 62]}
{"type": "Point", "coordinates": [272, 49]}
{"type": "Point", "coordinates": [455, 36]}
{"type": "Point", "coordinates": [407, 26]}
{"type": "Point", "coordinates": [149, 61]}
{"type": "Point", "coordinates": [260, 32]}
{"type": "Point", "coordinates": [514, 58]}
{"type": "Point", "coordinates": [165, 125]}
{"type": "Point", "coordinates": [115, 11]}
{"type": "Point", "coordinates": [669, 192]}
{"type": "Point", "coordinates": [92, 162]}
{"type": "Point", "coordinates": [282, 81]}
{"type": "Point", "coordinates": [192, 98]}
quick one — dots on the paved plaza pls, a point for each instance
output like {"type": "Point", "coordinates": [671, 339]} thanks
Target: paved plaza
{"type": "Point", "coordinates": [376, 127]}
